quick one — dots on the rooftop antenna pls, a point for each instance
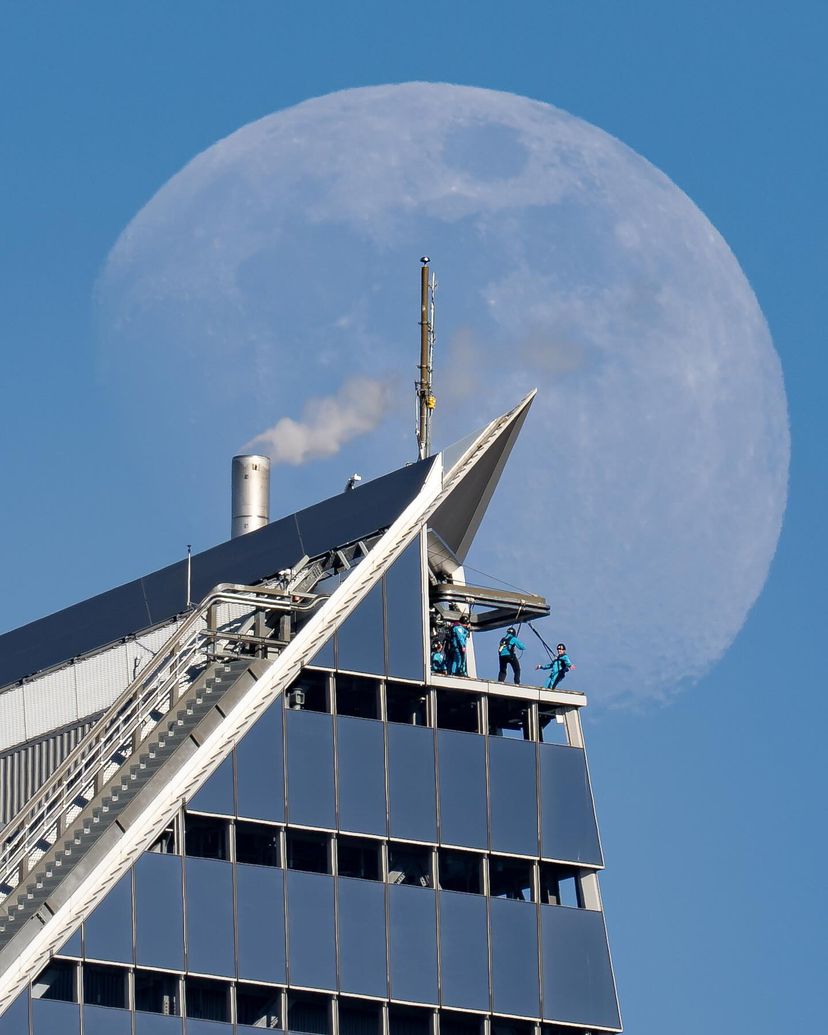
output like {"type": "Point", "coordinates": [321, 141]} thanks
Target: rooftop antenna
{"type": "Point", "coordinates": [425, 399]}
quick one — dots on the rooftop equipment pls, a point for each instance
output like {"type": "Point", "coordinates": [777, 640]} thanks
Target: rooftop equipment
{"type": "Point", "coordinates": [251, 493]}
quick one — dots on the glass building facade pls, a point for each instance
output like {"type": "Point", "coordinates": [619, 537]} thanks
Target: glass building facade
{"type": "Point", "coordinates": [391, 855]}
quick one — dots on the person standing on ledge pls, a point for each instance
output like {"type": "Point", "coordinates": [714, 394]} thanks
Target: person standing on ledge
{"type": "Point", "coordinates": [559, 667]}
{"type": "Point", "coordinates": [458, 639]}
{"type": "Point", "coordinates": [508, 656]}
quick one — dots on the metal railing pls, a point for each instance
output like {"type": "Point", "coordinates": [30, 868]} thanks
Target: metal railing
{"type": "Point", "coordinates": [194, 645]}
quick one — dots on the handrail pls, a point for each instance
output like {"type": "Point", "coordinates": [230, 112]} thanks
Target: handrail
{"type": "Point", "coordinates": [130, 719]}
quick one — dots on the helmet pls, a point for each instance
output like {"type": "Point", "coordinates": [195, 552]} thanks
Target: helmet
{"type": "Point", "coordinates": [511, 630]}
{"type": "Point", "coordinates": [561, 646]}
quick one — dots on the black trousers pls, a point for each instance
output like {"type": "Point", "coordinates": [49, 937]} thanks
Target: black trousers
{"type": "Point", "coordinates": [508, 659]}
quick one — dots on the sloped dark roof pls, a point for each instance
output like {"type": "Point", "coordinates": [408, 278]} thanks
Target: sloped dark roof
{"type": "Point", "coordinates": [249, 559]}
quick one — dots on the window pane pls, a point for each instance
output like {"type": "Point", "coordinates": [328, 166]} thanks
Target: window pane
{"type": "Point", "coordinates": [159, 911]}
{"type": "Point", "coordinates": [567, 815]}
{"type": "Point", "coordinates": [464, 951]}
{"type": "Point", "coordinates": [411, 782]}
{"type": "Point", "coordinates": [53, 1018]}
{"type": "Point", "coordinates": [72, 946]}
{"type": "Point", "coordinates": [108, 931]}
{"type": "Point", "coordinates": [261, 923]}
{"type": "Point", "coordinates": [361, 775]}
{"type": "Point", "coordinates": [413, 923]}
{"type": "Point", "coordinates": [515, 957]}
{"type": "Point", "coordinates": [217, 793]}
{"type": "Point", "coordinates": [462, 789]}
{"type": "Point", "coordinates": [260, 768]}
{"type": "Point", "coordinates": [15, 1021]}
{"type": "Point", "coordinates": [360, 637]}
{"type": "Point", "coordinates": [202, 1027]}
{"type": "Point", "coordinates": [156, 1024]}
{"type": "Point", "coordinates": [405, 615]}
{"type": "Point", "coordinates": [210, 917]}
{"type": "Point", "coordinates": [362, 937]}
{"type": "Point", "coordinates": [577, 976]}
{"type": "Point", "coordinates": [513, 796]}
{"type": "Point", "coordinates": [99, 1020]}
{"type": "Point", "coordinates": [310, 769]}
{"type": "Point", "coordinates": [311, 929]}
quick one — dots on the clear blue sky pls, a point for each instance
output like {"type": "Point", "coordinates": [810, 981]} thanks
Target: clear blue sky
{"type": "Point", "coordinates": [712, 809]}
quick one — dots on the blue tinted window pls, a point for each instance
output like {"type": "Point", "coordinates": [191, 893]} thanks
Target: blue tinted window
{"type": "Point", "coordinates": [156, 1024]}
{"type": "Point", "coordinates": [217, 793]}
{"type": "Point", "coordinates": [100, 1020]}
{"type": "Point", "coordinates": [53, 1018]}
{"type": "Point", "coordinates": [411, 782]}
{"type": "Point", "coordinates": [159, 912]}
{"type": "Point", "coordinates": [260, 768]}
{"type": "Point", "coordinates": [311, 929]}
{"type": "Point", "coordinates": [108, 931]}
{"type": "Point", "coordinates": [413, 924]}
{"type": "Point", "coordinates": [464, 951]}
{"type": "Point", "coordinates": [567, 815]}
{"type": "Point", "coordinates": [361, 748]}
{"type": "Point", "coordinates": [362, 937]}
{"type": "Point", "coordinates": [310, 769]}
{"type": "Point", "coordinates": [514, 799]}
{"type": "Point", "coordinates": [261, 923]}
{"type": "Point", "coordinates": [360, 637]}
{"type": "Point", "coordinates": [577, 975]}
{"type": "Point", "coordinates": [72, 946]}
{"type": "Point", "coordinates": [210, 917]}
{"type": "Point", "coordinates": [325, 657]}
{"type": "Point", "coordinates": [515, 957]}
{"type": "Point", "coordinates": [462, 789]}
{"type": "Point", "coordinates": [15, 1021]}
{"type": "Point", "coordinates": [202, 1027]}
{"type": "Point", "coordinates": [404, 609]}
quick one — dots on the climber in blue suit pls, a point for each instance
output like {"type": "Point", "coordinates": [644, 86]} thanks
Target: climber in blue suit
{"type": "Point", "coordinates": [458, 640]}
{"type": "Point", "coordinates": [559, 667]}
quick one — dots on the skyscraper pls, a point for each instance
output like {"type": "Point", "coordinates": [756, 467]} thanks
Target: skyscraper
{"type": "Point", "coordinates": [265, 810]}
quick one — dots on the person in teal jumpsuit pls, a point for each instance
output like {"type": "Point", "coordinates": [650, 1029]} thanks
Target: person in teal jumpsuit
{"type": "Point", "coordinates": [558, 667]}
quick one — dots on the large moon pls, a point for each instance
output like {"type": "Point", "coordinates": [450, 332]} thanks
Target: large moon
{"type": "Point", "coordinates": [646, 494]}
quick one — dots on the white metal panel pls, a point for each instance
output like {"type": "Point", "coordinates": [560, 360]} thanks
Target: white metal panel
{"type": "Point", "coordinates": [50, 702]}
{"type": "Point", "coordinates": [100, 679]}
{"type": "Point", "coordinates": [12, 719]}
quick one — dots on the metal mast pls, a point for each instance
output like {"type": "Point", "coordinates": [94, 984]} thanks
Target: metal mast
{"type": "Point", "coordinates": [425, 399]}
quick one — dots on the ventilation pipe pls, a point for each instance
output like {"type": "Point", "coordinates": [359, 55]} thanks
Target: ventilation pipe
{"type": "Point", "coordinates": [251, 494]}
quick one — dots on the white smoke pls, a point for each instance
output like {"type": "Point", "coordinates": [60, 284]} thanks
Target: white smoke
{"type": "Point", "coordinates": [327, 423]}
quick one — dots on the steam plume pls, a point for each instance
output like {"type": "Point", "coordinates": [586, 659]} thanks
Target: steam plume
{"type": "Point", "coordinates": [327, 423]}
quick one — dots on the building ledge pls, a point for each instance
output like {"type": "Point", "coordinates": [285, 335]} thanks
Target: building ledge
{"type": "Point", "coordinates": [568, 698]}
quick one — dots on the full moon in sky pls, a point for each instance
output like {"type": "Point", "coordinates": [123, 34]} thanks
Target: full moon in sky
{"type": "Point", "coordinates": [646, 493]}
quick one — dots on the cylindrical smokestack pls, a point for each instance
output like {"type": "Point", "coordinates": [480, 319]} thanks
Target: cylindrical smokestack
{"type": "Point", "coordinates": [251, 494]}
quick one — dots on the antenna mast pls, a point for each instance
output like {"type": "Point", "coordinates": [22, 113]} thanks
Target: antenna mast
{"type": "Point", "coordinates": [425, 399]}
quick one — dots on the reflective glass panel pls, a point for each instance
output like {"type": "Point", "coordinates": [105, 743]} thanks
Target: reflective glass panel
{"type": "Point", "coordinates": [464, 951]}
{"type": "Point", "coordinates": [362, 937]}
{"type": "Point", "coordinates": [411, 782]}
{"type": "Point", "coordinates": [100, 1020]}
{"type": "Point", "coordinates": [108, 931]}
{"type": "Point", "coordinates": [159, 911]}
{"type": "Point", "coordinates": [413, 925]}
{"type": "Point", "coordinates": [197, 1026]}
{"type": "Point", "coordinates": [311, 929]}
{"type": "Point", "coordinates": [360, 637]}
{"type": "Point", "coordinates": [157, 1024]}
{"type": "Point", "coordinates": [515, 957]}
{"type": "Point", "coordinates": [217, 793]}
{"type": "Point", "coordinates": [261, 923]}
{"type": "Point", "coordinates": [310, 769]}
{"type": "Point", "coordinates": [53, 1018]}
{"type": "Point", "coordinates": [15, 1021]}
{"type": "Point", "coordinates": [577, 975]}
{"type": "Point", "coordinates": [325, 657]}
{"type": "Point", "coordinates": [462, 789]}
{"type": "Point", "coordinates": [404, 610]}
{"type": "Point", "coordinates": [361, 749]}
{"type": "Point", "coordinates": [514, 799]}
{"type": "Point", "coordinates": [260, 775]}
{"type": "Point", "coordinates": [210, 917]}
{"type": "Point", "coordinates": [72, 946]}
{"type": "Point", "coordinates": [569, 829]}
